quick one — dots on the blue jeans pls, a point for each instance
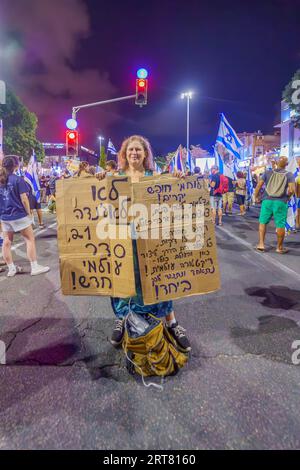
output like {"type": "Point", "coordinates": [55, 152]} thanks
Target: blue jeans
{"type": "Point", "coordinates": [136, 303]}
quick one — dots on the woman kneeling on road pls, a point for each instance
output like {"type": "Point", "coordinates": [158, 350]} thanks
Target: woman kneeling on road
{"type": "Point", "coordinates": [135, 160]}
{"type": "Point", "coordinates": [15, 216]}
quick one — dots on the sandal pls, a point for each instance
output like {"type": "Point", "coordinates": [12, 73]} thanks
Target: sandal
{"type": "Point", "coordinates": [283, 251]}
{"type": "Point", "coordinates": [42, 226]}
{"type": "Point", "coordinates": [260, 250]}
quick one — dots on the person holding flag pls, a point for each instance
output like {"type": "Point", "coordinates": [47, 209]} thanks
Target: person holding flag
{"type": "Point", "coordinates": [15, 216]}
{"type": "Point", "coordinates": [34, 194]}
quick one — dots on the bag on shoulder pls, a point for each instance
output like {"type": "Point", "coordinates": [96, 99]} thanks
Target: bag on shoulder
{"type": "Point", "coordinates": [223, 186]}
{"type": "Point", "coordinates": [276, 185]}
{"type": "Point", "coordinates": [153, 352]}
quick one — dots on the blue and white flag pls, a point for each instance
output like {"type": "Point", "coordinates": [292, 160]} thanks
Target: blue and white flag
{"type": "Point", "coordinates": [228, 138]}
{"type": "Point", "coordinates": [224, 168]}
{"type": "Point", "coordinates": [189, 161]}
{"type": "Point", "coordinates": [292, 203]}
{"type": "Point", "coordinates": [178, 165]}
{"type": "Point", "coordinates": [111, 148]}
{"type": "Point", "coordinates": [1, 140]}
{"type": "Point", "coordinates": [31, 177]}
{"type": "Point", "coordinates": [235, 168]}
{"type": "Point", "coordinates": [249, 186]}
{"type": "Point", "coordinates": [171, 166]}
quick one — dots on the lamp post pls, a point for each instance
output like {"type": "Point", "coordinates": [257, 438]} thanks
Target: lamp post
{"type": "Point", "coordinates": [100, 138]}
{"type": "Point", "coordinates": [188, 96]}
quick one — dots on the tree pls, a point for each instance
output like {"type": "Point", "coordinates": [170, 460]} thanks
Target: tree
{"type": "Point", "coordinates": [160, 162]}
{"type": "Point", "coordinates": [103, 157]}
{"type": "Point", "coordinates": [291, 94]}
{"type": "Point", "coordinates": [19, 129]}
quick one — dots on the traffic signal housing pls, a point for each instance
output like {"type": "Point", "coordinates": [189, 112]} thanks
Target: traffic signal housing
{"type": "Point", "coordinates": [141, 91]}
{"type": "Point", "coordinates": [71, 143]}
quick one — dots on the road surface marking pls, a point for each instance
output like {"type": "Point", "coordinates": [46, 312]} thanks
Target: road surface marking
{"type": "Point", "coordinates": [264, 255]}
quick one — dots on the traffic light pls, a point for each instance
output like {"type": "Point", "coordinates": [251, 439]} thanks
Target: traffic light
{"type": "Point", "coordinates": [141, 91]}
{"type": "Point", "coordinates": [71, 143]}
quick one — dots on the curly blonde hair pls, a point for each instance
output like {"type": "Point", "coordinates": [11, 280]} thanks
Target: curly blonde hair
{"type": "Point", "coordinates": [122, 160]}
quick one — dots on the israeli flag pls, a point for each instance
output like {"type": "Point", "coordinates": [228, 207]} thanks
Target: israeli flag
{"type": "Point", "coordinates": [228, 138]}
{"type": "Point", "coordinates": [1, 139]}
{"type": "Point", "coordinates": [111, 148]}
{"type": "Point", "coordinates": [292, 203]}
{"type": "Point", "coordinates": [235, 168]}
{"type": "Point", "coordinates": [224, 169]}
{"type": "Point", "coordinates": [171, 166]}
{"type": "Point", "coordinates": [31, 177]}
{"type": "Point", "coordinates": [249, 186]}
{"type": "Point", "coordinates": [178, 160]}
{"type": "Point", "coordinates": [189, 161]}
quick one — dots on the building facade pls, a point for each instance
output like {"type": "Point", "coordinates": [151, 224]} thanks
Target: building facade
{"type": "Point", "coordinates": [259, 148]}
{"type": "Point", "coordinates": [290, 135]}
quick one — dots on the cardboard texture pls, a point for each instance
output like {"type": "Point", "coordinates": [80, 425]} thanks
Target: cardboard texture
{"type": "Point", "coordinates": [176, 267]}
{"type": "Point", "coordinates": [172, 264]}
{"type": "Point", "coordinates": [89, 265]}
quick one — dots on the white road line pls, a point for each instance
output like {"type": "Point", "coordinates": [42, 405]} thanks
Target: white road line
{"type": "Point", "coordinates": [264, 255]}
{"type": "Point", "coordinates": [17, 246]}
{"type": "Point", "coordinates": [35, 231]}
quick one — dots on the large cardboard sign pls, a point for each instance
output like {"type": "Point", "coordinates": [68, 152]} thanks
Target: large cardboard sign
{"type": "Point", "coordinates": [177, 248]}
{"type": "Point", "coordinates": [172, 226]}
{"type": "Point", "coordinates": [89, 265]}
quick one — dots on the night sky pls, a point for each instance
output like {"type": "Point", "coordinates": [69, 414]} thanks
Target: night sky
{"type": "Point", "coordinates": [235, 56]}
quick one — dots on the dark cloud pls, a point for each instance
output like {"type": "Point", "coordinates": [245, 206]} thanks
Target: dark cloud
{"type": "Point", "coordinates": [38, 45]}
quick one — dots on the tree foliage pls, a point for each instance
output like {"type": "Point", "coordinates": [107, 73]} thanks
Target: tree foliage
{"type": "Point", "coordinates": [19, 129]}
{"type": "Point", "coordinates": [291, 94]}
{"type": "Point", "coordinates": [160, 161]}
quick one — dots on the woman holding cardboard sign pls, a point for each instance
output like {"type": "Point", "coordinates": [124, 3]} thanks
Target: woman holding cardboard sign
{"type": "Point", "coordinates": [135, 159]}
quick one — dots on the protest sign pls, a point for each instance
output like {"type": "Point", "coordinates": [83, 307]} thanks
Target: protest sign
{"type": "Point", "coordinates": [182, 262]}
{"type": "Point", "coordinates": [90, 265]}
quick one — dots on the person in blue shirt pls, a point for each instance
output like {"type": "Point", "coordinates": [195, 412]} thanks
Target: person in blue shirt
{"type": "Point", "coordinates": [15, 216]}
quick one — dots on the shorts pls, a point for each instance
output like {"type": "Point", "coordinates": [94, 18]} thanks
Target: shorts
{"type": "Point", "coordinates": [228, 198]}
{"type": "Point", "coordinates": [216, 202]}
{"type": "Point", "coordinates": [240, 199]}
{"type": "Point", "coordinates": [16, 225]}
{"type": "Point", "coordinates": [33, 202]}
{"type": "Point", "coordinates": [277, 209]}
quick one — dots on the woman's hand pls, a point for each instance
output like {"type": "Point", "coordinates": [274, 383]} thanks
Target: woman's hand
{"type": "Point", "coordinates": [178, 174]}
{"type": "Point", "coordinates": [100, 176]}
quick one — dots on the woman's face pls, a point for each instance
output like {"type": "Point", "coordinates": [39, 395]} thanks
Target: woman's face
{"type": "Point", "coordinates": [135, 154]}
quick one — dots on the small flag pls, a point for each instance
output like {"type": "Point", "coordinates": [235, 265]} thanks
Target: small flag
{"type": "Point", "coordinates": [228, 138]}
{"type": "Point", "coordinates": [111, 148]}
{"type": "Point", "coordinates": [292, 203]}
{"type": "Point", "coordinates": [189, 161]}
{"type": "Point", "coordinates": [178, 159]}
{"type": "Point", "coordinates": [1, 140]}
{"type": "Point", "coordinates": [249, 186]}
{"type": "Point", "coordinates": [31, 177]}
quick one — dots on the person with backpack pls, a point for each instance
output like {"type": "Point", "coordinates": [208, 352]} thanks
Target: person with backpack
{"type": "Point", "coordinates": [218, 186]}
{"type": "Point", "coordinates": [228, 196]}
{"type": "Point", "coordinates": [279, 187]}
{"type": "Point", "coordinates": [240, 191]}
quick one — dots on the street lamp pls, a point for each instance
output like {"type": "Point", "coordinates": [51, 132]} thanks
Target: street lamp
{"type": "Point", "coordinates": [188, 96]}
{"type": "Point", "coordinates": [100, 138]}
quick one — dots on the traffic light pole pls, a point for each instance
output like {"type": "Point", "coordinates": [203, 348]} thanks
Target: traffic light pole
{"type": "Point", "coordinates": [75, 109]}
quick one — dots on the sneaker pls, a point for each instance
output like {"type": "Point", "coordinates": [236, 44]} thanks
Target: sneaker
{"type": "Point", "coordinates": [39, 270]}
{"type": "Point", "coordinates": [118, 332]}
{"type": "Point", "coordinates": [15, 270]}
{"type": "Point", "coordinates": [178, 333]}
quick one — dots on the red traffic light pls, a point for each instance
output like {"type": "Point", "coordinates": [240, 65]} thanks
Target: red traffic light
{"type": "Point", "coordinates": [71, 143]}
{"type": "Point", "coordinates": [141, 91]}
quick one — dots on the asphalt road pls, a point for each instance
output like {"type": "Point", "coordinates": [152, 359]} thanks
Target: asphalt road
{"type": "Point", "coordinates": [65, 387]}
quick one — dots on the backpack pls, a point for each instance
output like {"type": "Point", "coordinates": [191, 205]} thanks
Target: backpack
{"type": "Point", "coordinates": [223, 186]}
{"type": "Point", "coordinates": [276, 185]}
{"type": "Point", "coordinates": [153, 352]}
